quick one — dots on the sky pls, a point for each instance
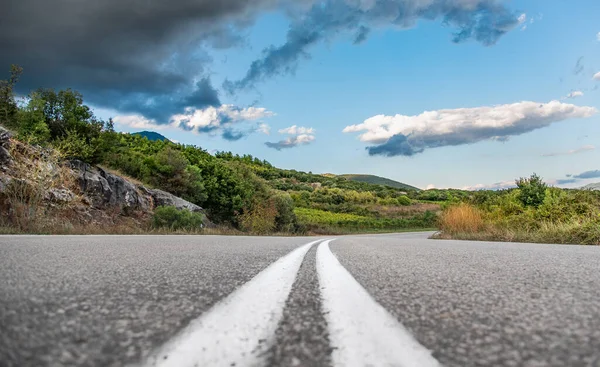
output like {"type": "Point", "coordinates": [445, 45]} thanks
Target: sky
{"type": "Point", "coordinates": [434, 93]}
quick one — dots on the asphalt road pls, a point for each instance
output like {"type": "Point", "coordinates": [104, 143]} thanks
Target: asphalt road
{"type": "Point", "coordinates": [398, 300]}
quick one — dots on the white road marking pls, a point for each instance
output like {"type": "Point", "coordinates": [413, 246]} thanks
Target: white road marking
{"type": "Point", "coordinates": [362, 332]}
{"type": "Point", "coordinates": [238, 330]}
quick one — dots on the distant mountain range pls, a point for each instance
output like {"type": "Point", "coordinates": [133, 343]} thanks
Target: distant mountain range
{"type": "Point", "coordinates": [377, 180]}
{"type": "Point", "coordinates": [151, 135]}
{"type": "Point", "coordinates": [592, 186]}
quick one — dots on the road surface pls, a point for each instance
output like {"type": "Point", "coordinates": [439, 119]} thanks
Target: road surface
{"type": "Point", "coordinates": [383, 300]}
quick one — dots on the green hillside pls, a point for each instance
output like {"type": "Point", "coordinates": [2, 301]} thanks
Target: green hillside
{"type": "Point", "coordinates": [151, 135]}
{"type": "Point", "coordinates": [377, 180]}
{"type": "Point", "coordinates": [238, 192]}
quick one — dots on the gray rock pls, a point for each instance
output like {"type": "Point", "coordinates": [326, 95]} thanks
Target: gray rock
{"type": "Point", "coordinates": [95, 187]}
{"type": "Point", "coordinates": [104, 190]}
{"type": "Point", "coordinates": [125, 193]}
{"type": "Point", "coordinates": [107, 190]}
{"type": "Point", "coordinates": [5, 137]}
{"type": "Point", "coordinates": [59, 195]}
{"type": "Point", "coordinates": [163, 198]}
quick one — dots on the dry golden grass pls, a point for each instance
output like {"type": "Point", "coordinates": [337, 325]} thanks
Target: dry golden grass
{"type": "Point", "coordinates": [462, 218]}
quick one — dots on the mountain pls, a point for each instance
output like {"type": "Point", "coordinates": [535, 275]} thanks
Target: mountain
{"type": "Point", "coordinates": [151, 135]}
{"type": "Point", "coordinates": [377, 180]}
{"type": "Point", "coordinates": [592, 186]}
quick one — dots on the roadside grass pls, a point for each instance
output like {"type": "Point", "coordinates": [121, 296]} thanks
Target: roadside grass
{"type": "Point", "coordinates": [467, 222]}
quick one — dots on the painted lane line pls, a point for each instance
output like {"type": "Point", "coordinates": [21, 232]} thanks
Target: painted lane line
{"type": "Point", "coordinates": [362, 332]}
{"type": "Point", "coordinates": [237, 330]}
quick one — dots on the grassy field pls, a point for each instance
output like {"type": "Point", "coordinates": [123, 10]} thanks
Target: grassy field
{"type": "Point", "coordinates": [326, 222]}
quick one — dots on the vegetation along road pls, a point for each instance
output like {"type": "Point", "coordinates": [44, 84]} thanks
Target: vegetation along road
{"type": "Point", "coordinates": [395, 299]}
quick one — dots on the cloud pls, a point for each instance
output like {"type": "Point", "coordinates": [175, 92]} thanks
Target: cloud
{"type": "Point", "coordinates": [598, 36]}
{"type": "Point", "coordinates": [410, 135]}
{"type": "Point", "coordinates": [138, 122]}
{"type": "Point", "coordinates": [264, 128]}
{"type": "Point", "coordinates": [495, 186]}
{"type": "Point", "coordinates": [597, 76]}
{"type": "Point", "coordinates": [299, 136]}
{"type": "Point", "coordinates": [574, 94]}
{"type": "Point", "coordinates": [207, 120]}
{"type": "Point", "coordinates": [565, 181]}
{"type": "Point", "coordinates": [522, 19]}
{"type": "Point", "coordinates": [484, 21]}
{"type": "Point", "coordinates": [588, 174]}
{"type": "Point", "coordinates": [295, 130]}
{"type": "Point", "coordinates": [585, 148]}
{"type": "Point", "coordinates": [148, 58]}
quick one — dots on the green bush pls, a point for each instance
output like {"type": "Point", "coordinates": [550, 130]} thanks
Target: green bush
{"type": "Point", "coordinates": [532, 190]}
{"type": "Point", "coordinates": [175, 219]}
{"type": "Point", "coordinates": [74, 146]}
{"type": "Point", "coordinates": [286, 220]}
{"type": "Point", "coordinates": [404, 200]}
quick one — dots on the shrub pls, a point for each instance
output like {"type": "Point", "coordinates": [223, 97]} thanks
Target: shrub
{"type": "Point", "coordinates": [532, 190]}
{"type": "Point", "coordinates": [285, 220]}
{"type": "Point", "coordinates": [175, 219]}
{"type": "Point", "coordinates": [260, 219]}
{"type": "Point", "coordinates": [462, 218]}
{"type": "Point", "coordinates": [74, 146]}
{"type": "Point", "coordinates": [404, 200]}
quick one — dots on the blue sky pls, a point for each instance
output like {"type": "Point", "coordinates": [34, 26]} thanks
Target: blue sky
{"type": "Point", "coordinates": [403, 71]}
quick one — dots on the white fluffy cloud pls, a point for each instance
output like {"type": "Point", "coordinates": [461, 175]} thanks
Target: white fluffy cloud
{"type": "Point", "coordinates": [299, 136]}
{"type": "Point", "coordinates": [409, 135]}
{"type": "Point", "coordinates": [208, 120]}
{"type": "Point", "coordinates": [297, 130]}
{"type": "Point", "coordinates": [574, 94]}
{"type": "Point", "coordinates": [597, 76]}
{"type": "Point", "coordinates": [138, 122]}
{"type": "Point", "coordinates": [598, 36]}
{"type": "Point", "coordinates": [213, 118]}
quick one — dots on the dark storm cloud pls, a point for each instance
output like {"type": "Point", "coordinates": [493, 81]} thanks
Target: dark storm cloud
{"type": "Point", "coordinates": [136, 56]}
{"type": "Point", "coordinates": [482, 20]}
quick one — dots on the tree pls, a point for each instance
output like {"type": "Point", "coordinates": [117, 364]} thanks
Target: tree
{"type": "Point", "coordinates": [65, 112]}
{"type": "Point", "coordinates": [532, 190]}
{"type": "Point", "coordinates": [8, 104]}
{"type": "Point", "coordinates": [32, 123]}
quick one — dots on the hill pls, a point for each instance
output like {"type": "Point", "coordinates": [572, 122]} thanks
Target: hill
{"type": "Point", "coordinates": [238, 193]}
{"type": "Point", "coordinates": [377, 180]}
{"type": "Point", "coordinates": [592, 186]}
{"type": "Point", "coordinates": [151, 135]}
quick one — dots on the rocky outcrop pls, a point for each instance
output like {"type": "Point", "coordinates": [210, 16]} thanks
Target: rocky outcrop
{"type": "Point", "coordinates": [93, 195]}
{"type": "Point", "coordinates": [5, 136]}
{"type": "Point", "coordinates": [163, 198]}
{"type": "Point", "coordinates": [105, 189]}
